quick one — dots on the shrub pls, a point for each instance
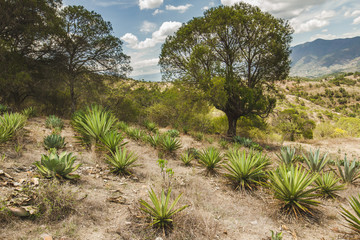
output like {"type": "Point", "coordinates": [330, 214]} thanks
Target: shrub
{"type": "Point", "coordinates": [246, 171]}
{"type": "Point", "coordinates": [328, 184]}
{"type": "Point", "coordinates": [123, 126]}
{"type": "Point", "coordinates": [186, 158]}
{"type": "Point", "coordinates": [93, 123]}
{"type": "Point", "coordinates": [121, 160]}
{"type": "Point", "coordinates": [153, 140]}
{"type": "Point", "coordinates": [54, 122]}
{"type": "Point", "coordinates": [54, 141]}
{"type": "Point", "coordinates": [314, 162]}
{"type": "Point", "coordinates": [169, 143]}
{"type": "Point", "coordinates": [56, 165]}
{"type": "Point", "coordinates": [111, 140]}
{"type": "Point", "coordinates": [10, 123]}
{"type": "Point", "coordinates": [3, 109]}
{"type": "Point", "coordinates": [161, 212]}
{"type": "Point", "coordinates": [350, 173]}
{"type": "Point", "coordinates": [199, 136]}
{"type": "Point", "coordinates": [210, 158]}
{"type": "Point", "coordinates": [151, 126]}
{"type": "Point", "coordinates": [353, 220]}
{"type": "Point", "coordinates": [246, 142]}
{"type": "Point", "coordinates": [292, 186]}
{"type": "Point", "coordinates": [173, 133]}
{"type": "Point", "coordinates": [287, 156]}
{"type": "Point", "coordinates": [136, 134]}
{"type": "Point", "coordinates": [29, 112]}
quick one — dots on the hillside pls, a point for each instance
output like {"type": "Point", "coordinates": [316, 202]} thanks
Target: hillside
{"type": "Point", "coordinates": [313, 59]}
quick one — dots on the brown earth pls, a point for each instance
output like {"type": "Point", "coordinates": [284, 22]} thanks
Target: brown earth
{"type": "Point", "coordinates": [215, 211]}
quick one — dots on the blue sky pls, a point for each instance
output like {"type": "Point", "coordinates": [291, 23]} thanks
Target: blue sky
{"type": "Point", "coordinates": [144, 24]}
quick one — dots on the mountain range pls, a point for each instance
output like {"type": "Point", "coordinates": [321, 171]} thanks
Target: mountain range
{"type": "Point", "coordinates": [320, 57]}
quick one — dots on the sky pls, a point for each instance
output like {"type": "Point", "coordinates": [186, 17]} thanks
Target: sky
{"type": "Point", "coordinates": [143, 25]}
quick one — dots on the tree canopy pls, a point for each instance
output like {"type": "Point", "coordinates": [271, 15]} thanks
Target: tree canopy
{"type": "Point", "coordinates": [235, 55]}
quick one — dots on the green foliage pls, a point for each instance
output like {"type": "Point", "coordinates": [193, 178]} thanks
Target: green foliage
{"type": "Point", "coordinates": [154, 140]}
{"type": "Point", "coordinates": [93, 123]}
{"type": "Point", "coordinates": [293, 123]}
{"type": "Point", "coordinates": [211, 158]}
{"type": "Point", "coordinates": [121, 160]}
{"type": "Point", "coordinates": [276, 235]}
{"type": "Point", "coordinates": [247, 142]}
{"type": "Point", "coordinates": [151, 126]}
{"type": "Point", "coordinates": [350, 173]}
{"type": "Point", "coordinates": [10, 124]}
{"type": "Point", "coordinates": [350, 125]}
{"type": "Point", "coordinates": [161, 211]}
{"type": "Point", "coordinates": [53, 122]}
{"type": "Point", "coordinates": [173, 133]}
{"type": "Point", "coordinates": [3, 109]}
{"type": "Point", "coordinates": [328, 184]}
{"type": "Point", "coordinates": [54, 165]}
{"type": "Point", "coordinates": [287, 156]}
{"type": "Point", "coordinates": [246, 171]}
{"type": "Point", "coordinates": [136, 133]}
{"type": "Point", "coordinates": [54, 141]}
{"type": "Point", "coordinates": [223, 143]}
{"type": "Point", "coordinates": [29, 112]}
{"type": "Point", "coordinates": [314, 162]}
{"type": "Point", "coordinates": [187, 158]}
{"type": "Point", "coordinates": [292, 186]}
{"type": "Point", "coordinates": [200, 50]}
{"type": "Point", "coordinates": [353, 220]}
{"type": "Point", "coordinates": [111, 140]}
{"type": "Point", "coordinates": [123, 126]}
{"type": "Point", "coordinates": [199, 136]}
{"type": "Point", "coordinates": [170, 144]}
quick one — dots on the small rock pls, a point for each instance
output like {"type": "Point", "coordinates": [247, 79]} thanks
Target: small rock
{"type": "Point", "coordinates": [128, 223]}
{"type": "Point", "coordinates": [254, 222]}
{"type": "Point", "coordinates": [158, 238]}
{"type": "Point", "coordinates": [19, 211]}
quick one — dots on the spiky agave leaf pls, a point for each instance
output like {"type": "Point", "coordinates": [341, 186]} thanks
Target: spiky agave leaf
{"type": "Point", "coordinates": [353, 220]}
{"type": "Point", "coordinates": [287, 155]}
{"type": "Point", "coordinates": [54, 122]}
{"type": "Point", "coordinates": [169, 144]}
{"type": "Point", "coordinates": [160, 210]}
{"type": "Point", "coordinates": [329, 185]}
{"type": "Point", "coordinates": [121, 160]}
{"type": "Point", "coordinates": [54, 141]}
{"type": "Point", "coordinates": [293, 187]}
{"type": "Point", "coordinates": [314, 161]}
{"type": "Point", "coordinates": [153, 140]}
{"type": "Point", "coordinates": [351, 172]}
{"type": "Point", "coordinates": [54, 165]}
{"type": "Point", "coordinates": [111, 140]}
{"type": "Point", "coordinates": [246, 170]}
{"type": "Point", "coordinates": [210, 158]}
{"type": "Point", "coordinates": [187, 158]}
{"type": "Point", "coordinates": [10, 123]}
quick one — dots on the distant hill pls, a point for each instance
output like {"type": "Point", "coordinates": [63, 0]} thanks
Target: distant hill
{"type": "Point", "coordinates": [313, 59]}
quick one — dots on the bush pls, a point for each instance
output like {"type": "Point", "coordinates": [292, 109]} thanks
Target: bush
{"type": "Point", "coordinates": [292, 186]}
{"type": "Point", "coordinates": [186, 158]}
{"type": "Point", "coordinates": [29, 112]}
{"type": "Point", "coordinates": [151, 126]}
{"type": "Point", "coordinates": [246, 171]}
{"type": "Point", "coordinates": [173, 133]}
{"type": "Point", "coordinates": [56, 165]}
{"type": "Point", "coordinates": [161, 212]}
{"type": "Point", "coordinates": [53, 122]}
{"type": "Point", "coordinates": [93, 124]}
{"type": "Point", "coordinates": [153, 140]}
{"type": "Point", "coordinates": [54, 141]}
{"type": "Point", "coordinates": [136, 134]}
{"type": "Point", "coordinates": [120, 161]}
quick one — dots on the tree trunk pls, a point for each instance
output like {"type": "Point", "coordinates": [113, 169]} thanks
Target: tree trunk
{"type": "Point", "coordinates": [232, 125]}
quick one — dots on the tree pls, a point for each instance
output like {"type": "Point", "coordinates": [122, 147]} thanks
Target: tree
{"type": "Point", "coordinates": [235, 55]}
{"type": "Point", "coordinates": [87, 46]}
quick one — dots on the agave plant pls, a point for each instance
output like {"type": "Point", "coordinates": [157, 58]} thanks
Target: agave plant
{"type": "Point", "coordinates": [246, 142]}
{"type": "Point", "coordinates": [187, 158]}
{"type": "Point", "coordinates": [293, 187]}
{"type": "Point", "coordinates": [3, 109]}
{"type": "Point", "coordinates": [54, 122]}
{"type": "Point", "coordinates": [211, 158]}
{"type": "Point", "coordinates": [170, 144]}
{"type": "Point", "coordinates": [246, 171]}
{"type": "Point", "coordinates": [314, 162]}
{"type": "Point", "coordinates": [111, 140]}
{"type": "Point", "coordinates": [10, 123]}
{"type": "Point", "coordinates": [153, 140]}
{"type": "Point", "coordinates": [276, 235]}
{"type": "Point", "coordinates": [353, 220]}
{"type": "Point", "coordinates": [56, 165]}
{"type": "Point", "coordinates": [123, 126]}
{"type": "Point", "coordinates": [29, 112]}
{"type": "Point", "coordinates": [161, 211]}
{"type": "Point", "coordinates": [350, 173]}
{"type": "Point", "coordinates": [93, 123]}
{"type": "Point", "coordinates": [173, 133]}
{"type": "Point", "coordinates": [287, 155]}
{"type": "Point", "coordinates": [121, 160]}
{"type": "Point", "coordinates": [54, 141]}
{"type": "Point", "coordinates": [136, 134]}
{"type": "Point", "coordinates": [328, 184]}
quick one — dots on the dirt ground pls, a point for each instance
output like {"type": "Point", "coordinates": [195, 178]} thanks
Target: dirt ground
{"type": "Point", "coordinates": [108, 204]}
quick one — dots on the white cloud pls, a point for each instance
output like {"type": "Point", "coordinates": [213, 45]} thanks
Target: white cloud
{"type": "Point", "coordinates": [159, 36]}
{"type": "Point", "coordinates": [147, 27]}
{"type": "Point", "coordinates": [145, 63]}
{"type": "Point", "coordinates": [333, 36]}
{"type": "Point", "coordinates": [150, 4]}
{"type": "Point", "coordinates": [157, 11]}
{"type": "Point", "coordinates": [210, 5]}
{"type": "Point", "coordinates": [180, 9]}
{"type": "Point", "coordinates": [310, 25]}
{"type": "Point", "coordinates": [356, 20]}
{"type": "Point", "coordinates": [352, 13]}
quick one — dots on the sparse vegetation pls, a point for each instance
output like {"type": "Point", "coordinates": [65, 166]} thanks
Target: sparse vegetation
{"type": "Point", "coordinates": [10, 124]}
{"type": "Point", "coordinates": [187, 158]}
{"type": "Point", "coordinates": [170, 144]}
{"type": "Point", "coordinates": [112, 140]}
{"type": "Point", "coordinates": [287, 156]}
